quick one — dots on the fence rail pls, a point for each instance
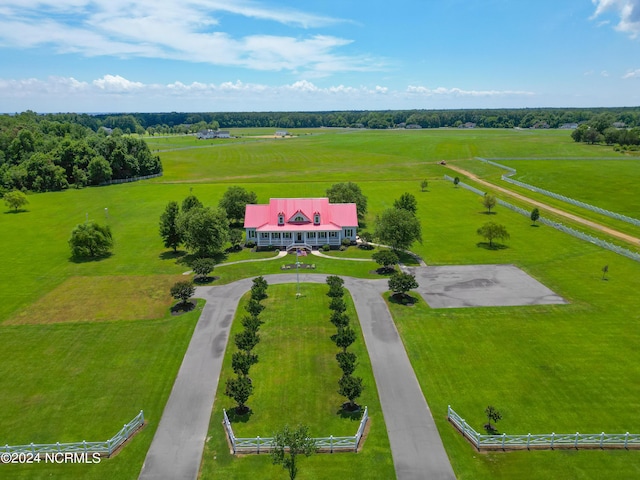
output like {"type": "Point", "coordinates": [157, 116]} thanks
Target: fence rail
{"type": "Point", "coordinates": [105, 448]}
{"type": "Point", "coordinates": [328, 444]}
{"type": "Point", "coordinates": [544, 441]}
{"type": "Point", "coordinates": [512, 171]}
{"type": "Point", "coordinates": [130, 179]}
{"type": "Point", "coordinates": [559, 226]}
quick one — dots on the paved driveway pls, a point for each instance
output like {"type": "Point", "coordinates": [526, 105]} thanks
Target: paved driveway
{"type": "Point", "coordinates": [176, 449]}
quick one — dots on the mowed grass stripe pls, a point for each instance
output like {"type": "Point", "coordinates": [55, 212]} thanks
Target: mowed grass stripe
{"type": "Point", "coordinates": [296, 382]}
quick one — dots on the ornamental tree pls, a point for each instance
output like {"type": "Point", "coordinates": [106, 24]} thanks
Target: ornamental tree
{"type": "Point", "coordinates": [386, 259]}
{"type": "Point", "coordinates": [288, 444]}
{"type": "Point", "coordinates": [535, 215]}
{"type": "Point", "coordinates": [239, 389]}
{"type": "Point", "coordinates": [407, 202]}
{"type": "Point", "coordinates": [489, 201]}
{"type": "Point", "coordinates": [492, 231]}
{"type": "Point", "coordinates": [234, 201]}
{"type": "Point", "coordinates": [344, 338]}
{"type": "Point", "coordinates": [183, 291]}
{"type": "Point", "coordinates": [347, 362]}
{"type": "Point", "coordinates": [246, 340]}
{"type": "Point", "coordinates": [91, 240]}
{"type": "Point", "coordinates": [398, 228]}
{"type": "Point", "coordinates": [350, 387]}
{"type": "Point", "coordinates": [241, 362]}
{"type": "Point", "coordinates": [202, 267]}
{"type": "Point", "coordinates": [401, 283]}
{"type": "Point", "coordinates": [15, 199]}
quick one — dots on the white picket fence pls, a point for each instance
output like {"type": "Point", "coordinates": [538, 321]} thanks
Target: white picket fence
{"type": "Point", "coordinates": [328, 444]}
{"type": "Point", "coordinates": [559, 226]}
{"type": "Point", "coordinates": [105, 448]}
{"type": "Point", "coordinates": [544, 441]}
{"type": "Point", "coordinates": [557, 196]}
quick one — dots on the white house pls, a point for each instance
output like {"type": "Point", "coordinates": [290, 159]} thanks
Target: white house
{"type": "Point", "coordinates": [300, 222]}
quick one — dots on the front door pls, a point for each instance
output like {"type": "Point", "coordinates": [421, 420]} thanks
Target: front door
{"type": "Point", "coordinates": [299, 237]}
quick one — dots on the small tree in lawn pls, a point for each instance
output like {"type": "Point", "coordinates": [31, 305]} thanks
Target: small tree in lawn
{"type": "Point", "coordinates": [202, 267]}
{"type": "Point", "coordinates": [407, 202]}
{"type": "Point", "coordinates": [347, 362]}
{"type": "Point", "coordinates": [605, 270]}
{"type": "Point", "coordinates": [423, 185]}
{"type": "Point", "coordinates": [183, 291]}
{"type": "Point", "coordinates": [241, 362]}
{"type": "Point", "coordinates": [254, 307]}
{"type": "Point", "coordinates": [288, 444]}
{"type": "Point", "coordinates": [489, 201]}
{"type": "Point", "coordinates": [400, 283]}
{"type": "Point", "coordinates": [492, 231]}
{"type": "Point", "coordinates": [259, 289]}
{"type": "Point", "coordinates": [239, 389]}
{"type": "Point", "coordinates": [456, 181]}
{"type": "Point", "coordinates": [246, 340]}
{"type": "Point", "coordinates": [350, 387]}
{"type": "Point", "coordinates": [334, 281]}
{"type": "Point", "coordinates": [339, 320]}
{"type": "Point", "coordinates": [344, 338]}
{"type": "Point", "coordinates": [15, 200]}
{"type": "Point", "coordinates": [337, 305]}
{"type": "Point", "coordinates": [91, 240]}
{"type": "Point", "coordinates": [492, 415]}
{"type": "Point", "coordinates": [386, 259]}
{"type": "Point", "coordinates": [535, 215]}
{"type": "Point", "coordinates": [251, 323]}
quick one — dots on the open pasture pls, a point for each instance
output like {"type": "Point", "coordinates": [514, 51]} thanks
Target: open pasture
{"type": "Point", "coordinates": [547, 368]}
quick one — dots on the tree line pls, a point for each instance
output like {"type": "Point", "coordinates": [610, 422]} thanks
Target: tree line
{"type": "Point", "coordinates": [40, 154]}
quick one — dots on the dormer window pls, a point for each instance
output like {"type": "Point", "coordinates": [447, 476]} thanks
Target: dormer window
{"type": "Point", "coordinates": [316, 218]}
{"type": "Point", "coordinates": [281, 219]}
{"type": "Point", "coordinates": [298, 218]}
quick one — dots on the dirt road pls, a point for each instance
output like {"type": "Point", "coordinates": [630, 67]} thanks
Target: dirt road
{"type": "Point", "coordinates": [596, 226]}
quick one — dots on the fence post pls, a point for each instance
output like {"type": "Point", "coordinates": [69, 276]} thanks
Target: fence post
{"type": "Point", "coordinates": [528, 440]}
{"type": "Point", "coordinates": [58, 445]}
{"type": "Point", "coordinates": [84, 443]}
{"type": "Point", "coordinates": [504, 435]}
{"type": "Point", "coordinates": [626, 439]}
{"type": "Point", "coordinates": [552, 438]}
{"type": "Point", "coordinates": [258, 438]}
{"type": "Point", "coordinates": [601, 439]}
{"type": "Point", "coordinates": [448, 412]}
{"type": "Point", "coordinates": [575, 444]}
{"type": "Point", "coordinates": [330, 443]}
{"type": "Point", "coordinates": [33, 449]}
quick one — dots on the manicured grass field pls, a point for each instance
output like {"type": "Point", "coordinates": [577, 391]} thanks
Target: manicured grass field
{"type": "Point", "coordinates": [295, 382]}
{"type": "Point", "coordinates": [550, 368]}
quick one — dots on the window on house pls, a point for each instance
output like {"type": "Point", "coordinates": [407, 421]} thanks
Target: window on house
{"type": "Point", "coordinates": [311, 234]}
{"type": "Point", "coordinates": [286, 235]}
{"type": "Point", "coordinates": [280, 219]}
{"type": "Point", "coordinates": [333, 234]}
{"type": "Point", "coordinates": [323, 234]}
{"type": "Point", "coordinates": [276, 235]}
{"type": "Point", "coordinates": [348, 232]}
{"type": "Point", "coordinates": [264, 235]}
{"type": "Point", "coordinates": [298, 218]}
{"type": "Point", "coordinates": [316, 218]}
{"type": "Point", "coordinates": [252, 234]}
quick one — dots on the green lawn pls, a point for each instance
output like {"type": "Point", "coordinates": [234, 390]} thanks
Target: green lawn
{"type": "Point", "coordinates": [552, 368]}
{"type": "Point", "coordinates": [295, 382]}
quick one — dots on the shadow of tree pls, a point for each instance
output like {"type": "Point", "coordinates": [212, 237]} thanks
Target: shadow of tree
{"type": "Point", "coordinates": [13, 212]}
{"type": "Point", "coordinates": [353, 415]}
{"type": "Point", "coordinates": [97, 258]}
{"type": "Point", "coordinates": [494, 246]}
{"type": "Point", "coordinates": [234, 417]}
{"type": "Point", "coordinates": [171, 255]}
{"type": "Point", "coordinates": [403, 299]}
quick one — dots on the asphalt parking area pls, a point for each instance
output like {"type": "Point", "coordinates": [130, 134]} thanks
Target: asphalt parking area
{"type": "Point", "coordinates": [481, 286]}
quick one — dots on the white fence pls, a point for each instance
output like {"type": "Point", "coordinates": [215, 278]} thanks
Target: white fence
{"type": "Point", "coordinates": [557, 196]}
{"type": "Point", "coordinates": [545, 441]}
{"type": "Point", "coordinates": [105, 448]}
{"type": "Point", "coordinates": [559, 226]}
{"type": "Point", "coordinates": [131, 179]}
{"type": "Point", "coordinates": [328, 444]}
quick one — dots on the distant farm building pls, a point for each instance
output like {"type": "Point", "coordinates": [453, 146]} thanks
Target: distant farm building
{"type": "Point", "coordinates": [208, 134]}
{"type": "Point", "coordinates": [282, 133]}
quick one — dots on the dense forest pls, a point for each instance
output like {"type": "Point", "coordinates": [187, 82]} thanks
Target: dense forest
{"type": "Point", "coordinates": [50, 152]}
{"type": "Point", "coordinates": [53, 151]}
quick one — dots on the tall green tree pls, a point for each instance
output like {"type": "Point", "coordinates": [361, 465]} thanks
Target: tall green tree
{"type": "Point", "coordinates": [235, 200]}
{"type": "Point", "coordinates": [288, 444]}
{"type": "Point", "coordinates": [386, 259]}
{"type": "Point", "coordinates": [15, 199]}
{"type": "Point", "coordinates": [398, 228]}
{"type": "Point", "coordinates": [401, 283]}
{"type": "Point", "coordinates": [91, 240]}
{"type": "Point", "coordinates": [407, 202]}
{"type": "Point", "coordinates": [423, 185]}
{"type": "Point", "coordinates": [190, 203]}
{"type": "Point", "coordinates": [239, 389]}
{"type": "Point", "coordinates": [169, 230]}
{"type": "Point", "coordinates": [183, 291]}
{"type": "Point", "coordinates": [99, 170]}
{"type": "Point", "coordinates": [535, 215]}
{"type": "Point", "coordinates": [350, 387]}
{"type": "Point", "coordinates": [202, 267]}
{"type": "Point", "coordinates": [204, 231]}
{"type": "Point", "coordinates": [348, 193]}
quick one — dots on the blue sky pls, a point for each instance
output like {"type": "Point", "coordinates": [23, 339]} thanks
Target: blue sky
{"type": "Point", "coordinates": [253, 55]}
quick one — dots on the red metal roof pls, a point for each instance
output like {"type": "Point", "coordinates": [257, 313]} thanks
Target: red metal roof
{"type": "Point", "coordinates": [333, 216]}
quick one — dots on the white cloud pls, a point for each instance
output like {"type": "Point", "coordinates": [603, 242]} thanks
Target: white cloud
{"type": "Point", "coordinates": [627, 10]}
{"type": "Point", "coordinates": [604, 73]}
{"type": "Point", "coordinates": [457, 92]}
{"type": "Point", "coordinates": [632, 74]}
{"type": "Point", "coordinates": [188, 30]}
{"type": "Point", "coordinates": [116, 93]}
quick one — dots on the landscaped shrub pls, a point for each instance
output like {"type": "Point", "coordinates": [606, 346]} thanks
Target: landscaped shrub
{"type": "Point", "coordinates": [346, 242]}
{"type": "Point", "coordinates": [326, 247]}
